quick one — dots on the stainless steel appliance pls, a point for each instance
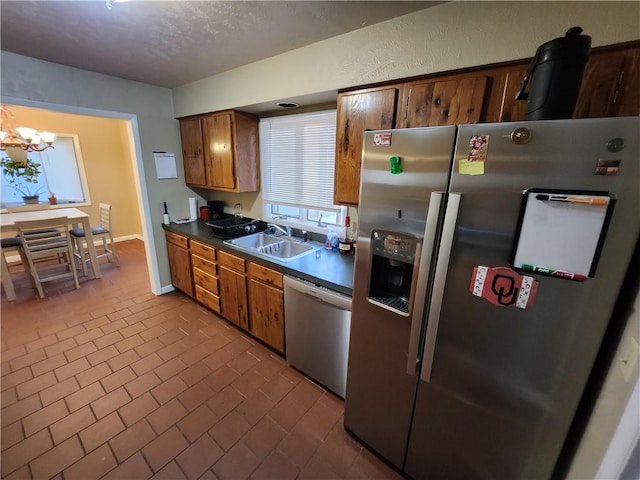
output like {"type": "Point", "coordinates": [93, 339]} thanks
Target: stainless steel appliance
{"type": "Point", "coordinates": [317, 323]}
{"type": "Point", "coordinates": [454, 370]}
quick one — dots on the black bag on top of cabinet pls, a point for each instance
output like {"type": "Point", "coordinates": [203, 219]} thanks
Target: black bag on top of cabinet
{"type": "Point", "coordinates": [554, 76]}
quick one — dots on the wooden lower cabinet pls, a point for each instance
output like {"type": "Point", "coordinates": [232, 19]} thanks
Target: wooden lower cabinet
{"type": "Point", "coordinates": [245, 293]}
{"type": "Point", "coordinates": [233, 289]}
{"type": "Point", "coordinates": [266, 300]}
{"type": "Point", "coordinates": [179, 262]}
{"type": "Point", "coordinates": [205, 275]}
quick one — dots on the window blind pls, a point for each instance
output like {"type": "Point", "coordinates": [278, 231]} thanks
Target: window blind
{"type": "Point", "coordinates": [297, 159]}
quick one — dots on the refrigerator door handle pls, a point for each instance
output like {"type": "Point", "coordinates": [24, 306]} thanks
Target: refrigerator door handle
{"type": "Point", "coordinates": [440, 277]}
{"type": "Point", "coordinates": [423, 276]}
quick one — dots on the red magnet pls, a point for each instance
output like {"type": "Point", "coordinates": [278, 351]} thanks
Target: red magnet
{"type": "Point", "coordinates": [503, 287]}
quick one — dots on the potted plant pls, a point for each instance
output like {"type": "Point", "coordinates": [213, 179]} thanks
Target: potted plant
{"type": "Point", "coordinates": [52, 199]}
{"type": "Point", "coordinates": [23, 177]}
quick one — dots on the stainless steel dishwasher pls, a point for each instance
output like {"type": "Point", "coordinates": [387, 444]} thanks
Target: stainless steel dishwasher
{"type": "Point", "coordinates": [317, 326]}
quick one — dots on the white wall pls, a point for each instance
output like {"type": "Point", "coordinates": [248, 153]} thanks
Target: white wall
{"type": "Point", "coordinates": [449, 36]}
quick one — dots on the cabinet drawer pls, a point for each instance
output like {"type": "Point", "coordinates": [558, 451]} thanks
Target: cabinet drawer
{"type": "Point", "coordinates": [208, 299]}
{"type": "Point", "coordinates": [231, 261]}
{"type": "Point", "coordinates": [205, 251]}
{"type": "Point", "coordinates": [199, 262]}
{"type": "Point", "coordinates": [176, 239]}
{"type": "Point", "coordinates": [204, 280]}
{"type": "Point", "coordinates": [265, 275]}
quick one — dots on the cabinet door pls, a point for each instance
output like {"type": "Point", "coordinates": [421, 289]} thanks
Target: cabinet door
{"type": "Point", "coordinates": [267, 314]}
{"type": "Point", "coordinates": [180, 266]}
{"type": "Point", "coordinates": [233, 297]}
{"type": "Point", "coordinates": [609, 85]}
{"type": "Point", "coordinates": [513, 110]}
{"type": "Point", "coordinates": [247, 152]}
{"type": "Point", "coordinates": [219, 151]}
{"type": "Point", "coordinates": [357, 112]}
{"type": "Point", "coordinates": [192, 152]}
{"type": "Point", "coordinates": [450, 102]}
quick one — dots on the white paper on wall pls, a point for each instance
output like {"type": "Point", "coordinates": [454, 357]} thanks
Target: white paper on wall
{"type": "Point", "coordinates": [165, 165]}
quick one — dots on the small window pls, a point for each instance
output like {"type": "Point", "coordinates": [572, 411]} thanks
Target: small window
{"type": "Point", "coordinates": [61, 172]}
{"type": "Point", "coordinates": [297, 163]}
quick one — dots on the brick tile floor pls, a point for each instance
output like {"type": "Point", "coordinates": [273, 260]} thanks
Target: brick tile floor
{"type": "Point", "coordinates": [111, 381]}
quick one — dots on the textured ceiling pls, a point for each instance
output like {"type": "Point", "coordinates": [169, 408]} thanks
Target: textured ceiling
{"type": "Point", "coordinates": [172, 43]}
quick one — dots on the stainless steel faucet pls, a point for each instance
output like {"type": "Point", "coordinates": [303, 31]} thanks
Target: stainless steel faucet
{"type": "Point", "coordinates": [283, 231]}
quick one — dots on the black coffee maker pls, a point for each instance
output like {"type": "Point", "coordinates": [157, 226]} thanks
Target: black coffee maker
{"type": "Point", "coordinates": [216, 209]}
{"type": "Point", "coordinates": [554, 77]}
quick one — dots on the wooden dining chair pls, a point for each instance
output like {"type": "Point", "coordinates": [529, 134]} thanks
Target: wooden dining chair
{"type": "Point", "coordinates": [48, 239]}
{"type": "Point", "coordinates": [26, 208]}
{"type": "Point", "coordinates": [9, 245]}
{"type": "Point", "coordinates": [103, 231]}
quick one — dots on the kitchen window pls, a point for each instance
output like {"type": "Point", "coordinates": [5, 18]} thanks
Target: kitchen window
{"type": "Point", "coordinates": [61, 172]}
{"type": "Point", "coordinates": [297, 154]}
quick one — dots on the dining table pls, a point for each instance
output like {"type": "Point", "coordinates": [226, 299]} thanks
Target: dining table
{"type": "Point", "coordinates": [77, 218]}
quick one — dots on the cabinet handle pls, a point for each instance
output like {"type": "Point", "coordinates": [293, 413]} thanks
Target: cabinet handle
{"type": "Point", "coordinates": [345, 137]}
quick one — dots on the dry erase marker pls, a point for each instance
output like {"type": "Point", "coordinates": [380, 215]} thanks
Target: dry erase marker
{"type": "Point", "coordinates": [554, 273]}
{"type": "Point", "coordinates": [566, 198]}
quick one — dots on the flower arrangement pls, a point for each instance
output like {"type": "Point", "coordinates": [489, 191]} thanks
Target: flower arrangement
{"type": "Point", "coordinates": [22, 176]}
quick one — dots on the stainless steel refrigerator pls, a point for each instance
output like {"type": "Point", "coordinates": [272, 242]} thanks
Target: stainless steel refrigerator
{"type": "Point", "coordinates": [489, 261]}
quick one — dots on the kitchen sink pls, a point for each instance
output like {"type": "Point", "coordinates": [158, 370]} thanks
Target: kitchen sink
{"type": "Point", "coordinates": [284, 249]}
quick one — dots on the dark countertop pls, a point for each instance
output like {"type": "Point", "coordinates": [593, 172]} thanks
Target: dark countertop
{"type": "Point", "coordinates": [331, 269]}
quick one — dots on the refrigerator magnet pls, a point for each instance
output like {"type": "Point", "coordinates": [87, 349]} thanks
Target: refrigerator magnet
{"type": "Point", "coordinates": [503, 286]}
{"type": "Point", "coordinates": [478, 148]}
{"type": "Point", "coordinates": [382, 139]}
{"type": "Point", "coordinates": [394, 165]}
{"type": "Point", "coordinates": [468, 167]}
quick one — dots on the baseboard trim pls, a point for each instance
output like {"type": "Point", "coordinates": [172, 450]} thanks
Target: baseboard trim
{"type": "Point", "coordinates": [166, 289]}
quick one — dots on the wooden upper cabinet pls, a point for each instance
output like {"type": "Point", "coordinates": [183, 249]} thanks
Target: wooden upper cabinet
{"type": "Point", "coordinates": [219, 152]}
{"type": "Point", "coordinates": [512, 110]}
{"type": "Point", "coordinates": [610, 85]}
{"type": "Point", "coordinates": [192, 152]}
{"type": "Point", "coordinates": [373, 109]}
{"type": "Point", "coordinates": [482, 94]}
{"type": "Point", "coordinates": [229, 156]}
{"type": "Point", "coordinates": [450, 102]}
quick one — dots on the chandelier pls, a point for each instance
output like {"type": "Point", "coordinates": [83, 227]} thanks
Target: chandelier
{"type": "Point", "coordinates": [28, 139]}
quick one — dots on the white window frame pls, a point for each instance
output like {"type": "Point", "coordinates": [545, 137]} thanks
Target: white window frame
{"type": "Point", "coordinates": [303, 214]}
{"type": "Point", "coordinates": [46, 160]}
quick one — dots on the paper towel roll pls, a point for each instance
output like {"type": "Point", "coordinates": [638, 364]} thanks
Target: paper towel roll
{"type": "Point", "coordinates": [193, 209]}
